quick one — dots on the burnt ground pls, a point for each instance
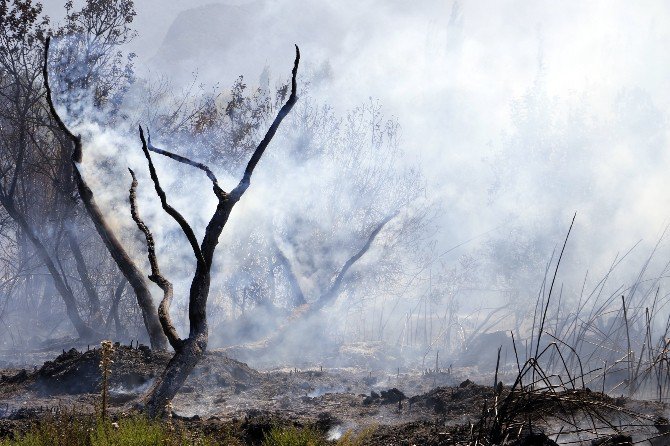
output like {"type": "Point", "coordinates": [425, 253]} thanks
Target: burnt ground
{"type": "Point", "coordinates": [225, 394]}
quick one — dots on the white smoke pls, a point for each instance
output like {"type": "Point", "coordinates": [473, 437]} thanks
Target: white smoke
{"type": "Point", "coordinates": [518, 113]}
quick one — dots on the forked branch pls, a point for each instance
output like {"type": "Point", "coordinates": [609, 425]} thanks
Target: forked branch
{"type": "Point", "coordinates": [244, 183]}
{"type": "Point", "coordinates": [172, 212]}
{"type": "Point", "coordinates": [182, 159]}
{"type": "Point", "coordinates": [193, 347]}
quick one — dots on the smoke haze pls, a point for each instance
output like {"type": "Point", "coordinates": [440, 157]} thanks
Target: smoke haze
{"type": "Point", "coordinates": [516, 115]}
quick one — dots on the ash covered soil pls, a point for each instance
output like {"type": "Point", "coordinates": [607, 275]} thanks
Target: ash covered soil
{"type": "Point", "coordinates": [223, 393]}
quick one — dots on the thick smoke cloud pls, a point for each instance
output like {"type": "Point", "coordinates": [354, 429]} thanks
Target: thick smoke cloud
{"type": "Point", "coordinates": [518, 114]}
{"type": "Point", "coordinates": [577, 89]}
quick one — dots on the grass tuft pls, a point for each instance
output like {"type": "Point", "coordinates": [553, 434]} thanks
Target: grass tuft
{"type": "Point", "coordinates": [78, 430]}
{"type": "Point", "coordinates": [356, 439]}
{"type": "Point", "coordinates": [293, 436]}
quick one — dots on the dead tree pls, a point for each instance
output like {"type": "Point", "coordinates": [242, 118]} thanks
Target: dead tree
{"type": "Point", "coordinates": [123, 260]}
{"type": "Point", "coordinates": [305, 310]}
{"type": "Point", "coordinates": [95, 310]}
{"type": "Point", "coordinates": [190, 350]}
{"type": "Point", "coordinates": [121, 332]}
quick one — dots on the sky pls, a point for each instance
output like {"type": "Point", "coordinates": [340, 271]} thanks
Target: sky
{"type": "Point", "coordinates": [519, 113]}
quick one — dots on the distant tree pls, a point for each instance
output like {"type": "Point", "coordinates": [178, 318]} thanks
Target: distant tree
{"type": "Point", "coordinates": [30, 159]}
{"type": "Point", "coordinates": [92, 68]}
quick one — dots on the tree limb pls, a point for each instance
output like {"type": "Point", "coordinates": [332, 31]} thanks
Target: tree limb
{"type": "Point", "coordinates": [182, 159]}
{"type": "Point", "coordinates": [236, 193]}
{"type": "Point", "coordinates": [114, 246]}
{"type": "Point", "coordinates": [172, 212]}
{"type": "Point", "coordinates": [77, 155]}
{"type": "Point", "coordinates": [20, 158]}
{"type": "Point", "coordinates": [156, 276]}
{"type": "Point", "coordinates": [337, 283]}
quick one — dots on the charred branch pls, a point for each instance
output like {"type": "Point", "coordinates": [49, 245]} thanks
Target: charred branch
{"type": "Point", "coordinates": [243, 185]}
{"type": "Point", "coordinates": [182, 159]}
{"type": "Point", "coordinates": [76, 139]}
{"type": "Point", "coordinates": [172, 212]}
{"type": "Point", "coordinates": [156, 276]}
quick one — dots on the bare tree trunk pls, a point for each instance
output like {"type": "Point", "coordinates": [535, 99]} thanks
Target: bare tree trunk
{"type": "Point", "coordinates": [83, 330]}
{"type": "Point", "coordinates": [156, 275]}
{"type": "Point", "coordinates": [125, 263]}
{"type": "Point", "coordinates": [176, 372]}
{"type": "Point", "coordinates": [191, 350]}
{"type": "Point", "coordinates": [92, 294]}
{"type": "Point", "coordinates": [120, 330]}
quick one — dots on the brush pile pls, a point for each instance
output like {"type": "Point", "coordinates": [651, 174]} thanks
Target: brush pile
{"type": "Point", "coordinates": [547, 409]}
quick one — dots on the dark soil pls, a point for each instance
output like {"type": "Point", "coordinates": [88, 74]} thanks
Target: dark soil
{"type": "Point", "coordinates": [228, 398]}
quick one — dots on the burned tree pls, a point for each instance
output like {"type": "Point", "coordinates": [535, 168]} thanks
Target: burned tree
{"type": "Point", "coordinates": [123, 260]}
{"type": "Point", "coordinates": [49, 237]}
{"type": "Point", "coordinates": [189, 351]}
